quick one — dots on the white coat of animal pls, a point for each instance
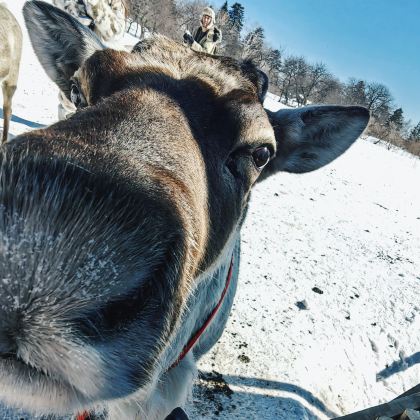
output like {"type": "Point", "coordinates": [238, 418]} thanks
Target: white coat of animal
{"type": "Point", "coordinates": [10, 54]}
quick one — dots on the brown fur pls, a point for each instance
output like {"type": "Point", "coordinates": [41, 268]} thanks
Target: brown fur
{"type": "Point", "coordinates": [154, 125]}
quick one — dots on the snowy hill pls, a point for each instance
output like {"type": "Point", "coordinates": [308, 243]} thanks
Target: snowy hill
{"type": "Point", "coordinates": [327, 315]}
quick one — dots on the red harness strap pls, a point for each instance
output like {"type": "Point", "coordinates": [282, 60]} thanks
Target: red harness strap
{"type": "Point", "coordinates": [86, 416]}
{"type": "Point", "coordinates": [197, 335]}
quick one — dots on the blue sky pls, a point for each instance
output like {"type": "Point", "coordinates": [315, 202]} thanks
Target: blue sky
{"type": "Point", "coordinates": [375, 40]}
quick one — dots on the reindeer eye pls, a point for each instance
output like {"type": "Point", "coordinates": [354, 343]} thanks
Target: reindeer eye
{"type": "Point", "coordinates": [261, 156]}
{"type": "Point", "coordinates": [75, 95]}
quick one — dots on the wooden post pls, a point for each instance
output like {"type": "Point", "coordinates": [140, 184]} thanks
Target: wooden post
{"type": "Point", "coordinates": [410, 415]}
{"type": "Point", "coordinates": [391, 409]}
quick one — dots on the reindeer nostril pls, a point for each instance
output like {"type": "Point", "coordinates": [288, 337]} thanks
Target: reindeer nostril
{"type": "Point", "coordinates": [8, 345]}
{"type": "Point", "coordinates": [9, 331]}
{"type": "Point", "coordinates": [8, 355]}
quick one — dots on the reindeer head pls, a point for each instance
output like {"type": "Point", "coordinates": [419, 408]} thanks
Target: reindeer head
{"type": "Point", "coordinates": [108, 219]}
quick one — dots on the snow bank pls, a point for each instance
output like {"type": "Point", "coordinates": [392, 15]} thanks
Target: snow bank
{"type": "Point", "coordinates": [272, 102]}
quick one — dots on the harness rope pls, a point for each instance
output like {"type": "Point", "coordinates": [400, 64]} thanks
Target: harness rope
{"type": "Point", "coordinates": [193, 340]}
{"type": "Point", "coordinates": [197, 335]}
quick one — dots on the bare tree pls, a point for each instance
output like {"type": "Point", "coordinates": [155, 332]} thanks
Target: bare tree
{"type": "Point", "coordinates": [330, 91]}
{"type": "Point", "coordinates": [188, 14]}
{"type": "Point", "coordinates": [292, 72]}
{"type": "Point", "coordinates": [156, 16]}
{"type": "Point", "coordinates": [313, 82]}
{"type": "Point", "coordinates": [378, 99]}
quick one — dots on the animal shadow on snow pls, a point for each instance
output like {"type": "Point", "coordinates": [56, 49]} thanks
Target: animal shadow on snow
{"type": "Point", "coordinates": [214, 399]}
{"type": "Point", "coordinates": [19, 120]}
{"type": "Point", "coordinates": [399, 366]}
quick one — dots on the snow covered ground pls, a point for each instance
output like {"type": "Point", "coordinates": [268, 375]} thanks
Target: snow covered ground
{"type": "Point", "coordinates": [327, 314]}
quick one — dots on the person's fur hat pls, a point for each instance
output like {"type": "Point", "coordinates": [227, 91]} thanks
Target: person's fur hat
{"type": "Point", "coordinates": [209, 12]}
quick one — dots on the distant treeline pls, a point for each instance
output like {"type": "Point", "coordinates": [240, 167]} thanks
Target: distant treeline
{"type": "Point", "coordinates": [295, 80]}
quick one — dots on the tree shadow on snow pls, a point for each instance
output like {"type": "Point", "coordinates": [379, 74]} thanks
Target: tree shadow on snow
{"type": "Point", "coordinates": [20, 120]}
{"type": "Point", "coordinates": [213, 398]}
{"type": "Point", "coordinates": [398, 366]}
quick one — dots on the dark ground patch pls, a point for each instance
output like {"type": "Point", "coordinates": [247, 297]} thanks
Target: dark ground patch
{"type": "Point", "coordinates": [214, 391]}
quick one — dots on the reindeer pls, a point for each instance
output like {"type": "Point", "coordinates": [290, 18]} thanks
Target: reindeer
{"type": "Point", "coordinates": [120, 226]}
{"type": "Point", "coordinates": [10, 53]}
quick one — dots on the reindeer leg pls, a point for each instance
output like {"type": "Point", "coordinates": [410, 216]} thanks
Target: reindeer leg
{"type": "Point", "coordinates": [8, 92]}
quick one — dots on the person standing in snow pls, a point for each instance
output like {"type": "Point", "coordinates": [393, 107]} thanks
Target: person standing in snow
{"type": "Point", "coordinates": [105, 17]}
{"type": "Point", "coordinates": [207, 35]}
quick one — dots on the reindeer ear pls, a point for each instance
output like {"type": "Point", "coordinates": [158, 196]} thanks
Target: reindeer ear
{"type": "Point", "coordinates": [257, 76]}
{"type": "Point", "coordinates": [309, 138]}
{"type": "Point", "coordinates": [60, 42]}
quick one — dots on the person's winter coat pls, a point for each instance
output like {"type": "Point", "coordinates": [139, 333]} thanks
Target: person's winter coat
{"type": "Point", "coordinates": [206, 39]}
{"type": "Point", "coordinates": [105, 17]}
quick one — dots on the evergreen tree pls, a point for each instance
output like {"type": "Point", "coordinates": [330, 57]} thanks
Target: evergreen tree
{"type": "Point", "coordinates": [397, 119]}
{"type": "Point", "coordinates": [231, 22]}
{"type": "Point", "coordinates": [236, 16]}
{"type": "Point", "coordinates": [254, 46]}
{"type": "Point", "coordinates": [224, 8]}
{"type": "Point", "coordinates": [415, 133]}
